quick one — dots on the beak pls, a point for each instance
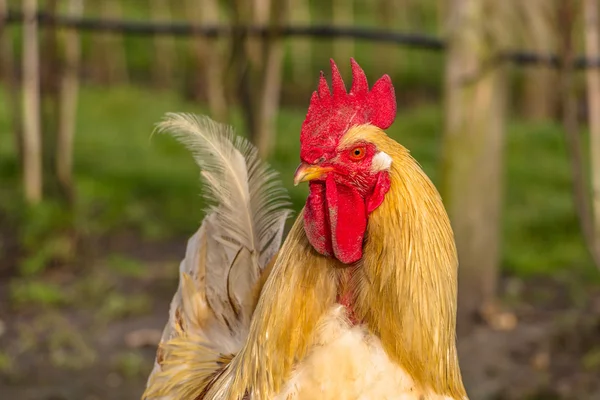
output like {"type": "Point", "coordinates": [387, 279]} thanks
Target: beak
{"type": "Point", "coordinates": [306, 172]}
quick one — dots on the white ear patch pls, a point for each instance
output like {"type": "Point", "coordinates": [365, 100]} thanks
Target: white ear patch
{"type": "Point", "coordinates": [381, 162]}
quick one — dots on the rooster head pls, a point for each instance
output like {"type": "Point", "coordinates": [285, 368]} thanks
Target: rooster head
{"type": "Point", "coordinates": [347, 173]}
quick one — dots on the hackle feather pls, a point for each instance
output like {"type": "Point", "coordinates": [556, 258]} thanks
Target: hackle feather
{"type": "Point", "coordinates": [407, 285]}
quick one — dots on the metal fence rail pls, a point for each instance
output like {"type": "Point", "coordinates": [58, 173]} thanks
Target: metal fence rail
{"type": "Point", "coordinates": [413, 40]}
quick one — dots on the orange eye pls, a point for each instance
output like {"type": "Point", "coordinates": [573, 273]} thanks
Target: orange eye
{"type": "Point", "coordinates": [358, 153]}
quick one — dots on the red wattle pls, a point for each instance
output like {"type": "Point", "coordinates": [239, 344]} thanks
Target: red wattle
{"type": "Point", "coordinates": [335, 216]}
{"type": "Point", "coordinates": [316, 224]}
{"type": "Point", "coordinates": [348, 220]}
{"type": "Point", "coordinates": [382, 186]}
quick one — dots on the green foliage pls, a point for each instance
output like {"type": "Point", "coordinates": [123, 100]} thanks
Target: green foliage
{"type": "Point", "coordinates": [53, 334]}
{"type": "Point", "coordinates": [130, 365]}
{"type": "Point", "coordinates": [101, 290]}
{"type": "Point", "coordinates": [117, 306]}
{"type": "Point", "coordinates": [125, 266]}
{"type": "Point", "coordinates": [591, 360]}
{"type": "Point", "coordinates": [29, 292]}
{"type": "Point", "coordinates": [540, 224]}
{"type": "Point", "coordinates": [126, 175]}
{"type": "Point", "coordinates": [45, 237]}
{"type": "Point", "coordinates": [69, 349]}
{"type": "Point", "coordinates": [6, 363]}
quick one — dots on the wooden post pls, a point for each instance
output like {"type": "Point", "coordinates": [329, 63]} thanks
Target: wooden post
{"type": "Point", "coordinates": [68, 105]}
{"type": "Point", "coordinates": [7, 75]}
{"type": "Point", "coordinates": [571, 128]}
{"type": "Point", "coordinates": [32, 142]}
{"type": "Point", "coordinates": [473, 153]}
{"type": "Point", "coordinates": [592, 46]}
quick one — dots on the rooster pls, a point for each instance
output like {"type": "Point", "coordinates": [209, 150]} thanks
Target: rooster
{"type": "Point", "coordinates": [360, 300]}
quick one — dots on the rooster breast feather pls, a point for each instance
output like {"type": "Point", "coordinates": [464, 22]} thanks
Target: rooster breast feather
{"type": "Point", "coordinates": [225, 259]}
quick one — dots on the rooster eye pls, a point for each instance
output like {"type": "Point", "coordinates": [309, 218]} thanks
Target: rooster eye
{"type": "Point", "coordinates": [357, 153]}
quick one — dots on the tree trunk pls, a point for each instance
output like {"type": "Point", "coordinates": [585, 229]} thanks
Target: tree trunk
{"type": "Point", "coordinates": [475, 102]}
{"type": "Point", "coordinates": [592, 45]}
{"type": "Point", "coordinates": [271, 83]}
{"type": "Point", "coordinates": [68, 106]}
{"type": "Point", "coordinates": [343, 15]}
{"type": "Point", "coordinates": [7, 75]}
{"type": "Point", "coordinates": [164, 47]}
{"type": "Point", "coordinates": [32, 141]}
{"type": "Point", "coordinates": [301, 47]}
{"type": "Point", "coordinates": [208, 54]}
{"type": "Point", "coordinates": [571, 128]}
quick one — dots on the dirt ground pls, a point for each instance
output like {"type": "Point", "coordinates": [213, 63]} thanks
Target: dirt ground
{"type": "Point", "coordinates": [545, 344]}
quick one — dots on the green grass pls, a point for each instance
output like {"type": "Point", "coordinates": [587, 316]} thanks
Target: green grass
{"type": "Point", "coordinates": [127, 179]}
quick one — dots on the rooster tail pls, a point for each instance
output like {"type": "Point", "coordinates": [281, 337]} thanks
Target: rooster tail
{"type": "Point", "coordinates": [219, 277]}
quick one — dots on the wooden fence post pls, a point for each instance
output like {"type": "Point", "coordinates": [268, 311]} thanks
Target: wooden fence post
{"type": "Point", "coordinates": [473, 153]}
{"type": "Point", "coordinates": [68, 105]}
{"type": "Point", "coordinates": [32, 141]}
{"type": "Point", "coordinates": [571, 128]}
{"type": "Point", "coordinates": [592, 44]}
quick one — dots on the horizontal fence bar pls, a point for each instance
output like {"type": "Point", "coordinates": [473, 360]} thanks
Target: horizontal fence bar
{"type": "Point", "coordinates": [145, 28]}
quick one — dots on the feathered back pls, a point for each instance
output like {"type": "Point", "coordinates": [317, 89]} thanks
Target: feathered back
{"type": "Point", "coordinates": [242, 231]}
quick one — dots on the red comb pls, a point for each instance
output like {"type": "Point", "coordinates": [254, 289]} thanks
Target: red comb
{"type": "Point", "coordinates": [330, 115]}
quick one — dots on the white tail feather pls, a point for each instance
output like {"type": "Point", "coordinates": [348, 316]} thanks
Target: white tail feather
{"type": "Point", "coordinates": [212, 308]}
{"type": "Point", "coordinates": [249, 200]}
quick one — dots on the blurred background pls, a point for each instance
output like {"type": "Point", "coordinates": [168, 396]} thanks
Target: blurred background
{"type": "Point", "coordinates": [498, 101]}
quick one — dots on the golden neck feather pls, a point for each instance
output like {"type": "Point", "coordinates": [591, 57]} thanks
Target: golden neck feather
{"type": "Point", "coordinates": [407, 284]}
